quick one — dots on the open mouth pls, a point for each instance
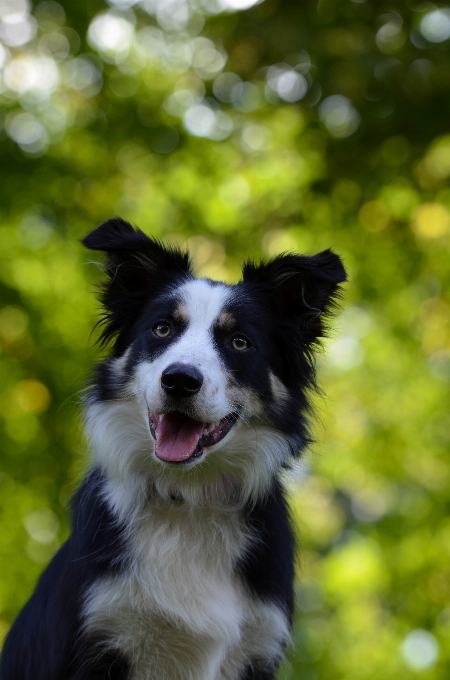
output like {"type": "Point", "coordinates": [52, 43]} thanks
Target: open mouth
{"type": "Point", "coordinates": [180, 438]}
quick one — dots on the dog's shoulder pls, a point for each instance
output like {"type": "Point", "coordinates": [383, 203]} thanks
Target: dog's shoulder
{"type": "Point", "coordinates": [54, 612]}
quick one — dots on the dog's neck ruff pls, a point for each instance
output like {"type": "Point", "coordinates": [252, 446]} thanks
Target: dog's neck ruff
{"type": "Point", "coordinates": [226, 494]}
{"type": "Point", "coordinates": [173, 493]}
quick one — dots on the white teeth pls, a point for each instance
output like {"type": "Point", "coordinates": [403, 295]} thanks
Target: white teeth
{"type": "Point", "coordinates": [209, 427]}
{"type": "Point", "coordinates": [161, 416]}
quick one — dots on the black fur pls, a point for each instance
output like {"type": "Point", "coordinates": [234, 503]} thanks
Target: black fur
{"type": "Point", "coordinates": [268, 568]}
{"type": "Point", "coordinates": [46, 642]}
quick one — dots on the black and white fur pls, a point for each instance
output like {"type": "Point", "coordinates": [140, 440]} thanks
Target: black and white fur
{"type": "Point", "coordinates": [182, 569]}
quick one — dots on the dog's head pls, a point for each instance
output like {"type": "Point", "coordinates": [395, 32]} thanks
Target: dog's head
{"type": "Point", "coordinates": [206, 384]}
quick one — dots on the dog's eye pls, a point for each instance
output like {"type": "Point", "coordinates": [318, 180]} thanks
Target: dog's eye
{"type": "Point", "coordinates": [162, 329]}
{"type": "Point", "coordinates": [240, 343]}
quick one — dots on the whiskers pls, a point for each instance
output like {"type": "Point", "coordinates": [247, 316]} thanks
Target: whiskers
{"type": "Point", "coordinates": [75, 399]}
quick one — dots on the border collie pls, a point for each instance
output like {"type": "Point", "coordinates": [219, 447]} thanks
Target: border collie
{"type": "Point", "coordinates": [180, 561]}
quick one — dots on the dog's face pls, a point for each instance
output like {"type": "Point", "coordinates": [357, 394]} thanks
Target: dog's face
{"type": "Point", "coordinates": [206, 381]}
{"type": "Point", "coordinates": [194, 396]}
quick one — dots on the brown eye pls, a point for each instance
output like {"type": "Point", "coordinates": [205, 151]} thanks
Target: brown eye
{"type": "Point", "coordinates": [162, 329]}
{"type": "Point", "coordinates": [240, 343]}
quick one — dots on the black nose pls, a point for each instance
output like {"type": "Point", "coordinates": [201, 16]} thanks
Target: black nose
{"type": "Point", "coordinates": [181, 380]}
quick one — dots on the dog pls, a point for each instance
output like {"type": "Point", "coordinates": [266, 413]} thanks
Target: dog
{"type": "Point", "coordinates": [180, 563]}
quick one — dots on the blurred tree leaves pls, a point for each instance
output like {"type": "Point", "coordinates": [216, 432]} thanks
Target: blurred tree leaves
{"type": "Point", "coordinates": [245, 129]}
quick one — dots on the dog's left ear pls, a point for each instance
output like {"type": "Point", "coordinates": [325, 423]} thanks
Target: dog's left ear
{"type": "Point", "coordinates": [305, 287]}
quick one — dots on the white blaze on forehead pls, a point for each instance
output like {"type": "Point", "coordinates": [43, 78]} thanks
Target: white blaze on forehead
{"type": "Point", "coordinates": [204, 302]}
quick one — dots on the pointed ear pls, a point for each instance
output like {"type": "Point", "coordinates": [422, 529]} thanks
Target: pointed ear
{"type": "Point", "coordinates": [136, 266]}
{"type": "Point", "coordinates": [305, 287]}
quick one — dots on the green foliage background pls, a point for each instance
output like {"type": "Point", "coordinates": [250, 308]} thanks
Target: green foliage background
{"type": "Point", "coordinates": [99, 118]}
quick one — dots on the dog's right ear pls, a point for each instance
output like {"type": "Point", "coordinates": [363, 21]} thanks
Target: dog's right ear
{"type": "Point", "coordinates": [136, 265]}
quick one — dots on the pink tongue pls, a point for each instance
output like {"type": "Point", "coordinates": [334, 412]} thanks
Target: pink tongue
{"type": "Point", "coordinates": [177, 437]}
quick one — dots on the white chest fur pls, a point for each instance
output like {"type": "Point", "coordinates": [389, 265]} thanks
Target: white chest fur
{"type": "Point", "coordinates": [178, 611]}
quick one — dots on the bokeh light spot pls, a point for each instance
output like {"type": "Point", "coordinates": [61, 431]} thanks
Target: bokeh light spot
{"type": "Point", "coordinates": [224, 87]}
{"type": "Point", "coordinates": [56, 44]}
{"type": "Point", "coordinates": [202, 121]}
{"type": "Point", "coordinates": [42, 525]}
{"type": "Point", "coordinates": [82, 74]}
{"type": "Point", "coordinates": [13, 322]}
{"type": "Point", "coordinates": [34, 231]}
{"type": "Point", "coordinates": [435, 26]}
{"type": "Point", "coordinates": [32, 73]}
{"type": "Point", "coordinates": [420, 650]}
{"type": "Point", "coordinates": [111, 34]}
{"type": "Point", "coordinates": [369, 505]}
{"type": "Point", "coordinates": [390, 36]}
{"type": "Point", "coordinates": [207, 61]}
{"type": "Point", "coordinates": [431, 220]}
{"type": "Point", "coordinates": [256, 137]}
{"type": "Point", "coordinates": [32, 396]}
{"type": "Point", "coordinates": [345, 352]}
{"type": "Point", "coordinates": [173, 15]}
{"type": "Point", "coordinates": [374, 216]}
{"type": "Point", "coordinates": [400, 198]}
{"type": "Point", "coordinates": [289, 85]}
{"type": "Point", "coordinates": [8, 7]}
{"type": "Point", "coordinates": [17, 29]}
{"type": "Point", "coordinates": [237, 4]}
{"type": "Point", "coordinates": [122, 4]}
{"type": "Point", "coordinates": [50, 15]}
{"type": "Point", "coordinates": [339, 116]}
{"type": "Point", "coordinates": [246, 97]}
{"type": "Point", "coordinates": [357, 565]}
{"type": "Point", "coordinates": [28, 132]}
{"type": "Point", "coordinates": [278, 241]}
{"type": "Point", "coordinates": [437, 160]}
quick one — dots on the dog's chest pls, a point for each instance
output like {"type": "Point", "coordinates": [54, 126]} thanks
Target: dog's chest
{"type": "Point", "coordinates": [178, 605]}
